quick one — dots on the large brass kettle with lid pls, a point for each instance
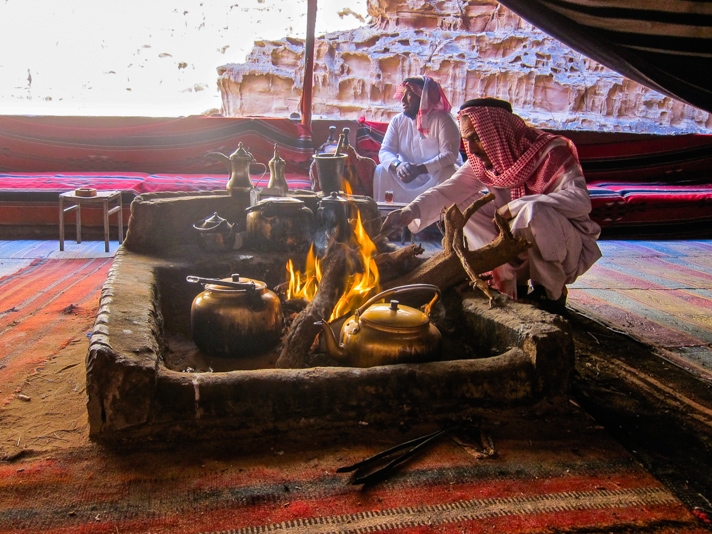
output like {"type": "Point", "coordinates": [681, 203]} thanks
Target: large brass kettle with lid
{"type": "Point", "coordinates": [235, 317]}
{"type": "Point", "coordinates": [386, 333]}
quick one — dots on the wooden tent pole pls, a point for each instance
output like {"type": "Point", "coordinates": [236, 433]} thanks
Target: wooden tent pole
{"type": "Point", "coordinates": [309, 65]}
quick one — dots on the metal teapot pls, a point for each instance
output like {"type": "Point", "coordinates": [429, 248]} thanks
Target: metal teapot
{"type": "Point", "coordinates": [386, 333]}
{"type": "Point", "coordinates": [238, 165]}
{"type": "Point", "coordinates": [332, 216]}
{"type": "Point", "coordinates": [235, 317]}
{"type": "Point", "coordinates": [280, 224]}
{"type": "Point", "coordinates": [215, 234]}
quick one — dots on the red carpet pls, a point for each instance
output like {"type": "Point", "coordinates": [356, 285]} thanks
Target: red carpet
{"type": "Point", "coordinates": [549, 476]}
{"type": "Point", "coordinates": [42, 307]}
{"type": "Point", "coordinates": [553, 473]}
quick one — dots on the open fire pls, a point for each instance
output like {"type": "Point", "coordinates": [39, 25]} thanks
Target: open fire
{"type": "Point", "coordinates": [362, 282]}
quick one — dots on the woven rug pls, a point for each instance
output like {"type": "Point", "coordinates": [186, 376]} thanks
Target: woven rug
{"type": "Point", "coordinates": [43, 306]}
{"type": "Point", "coordinates": [549, 475]}
{"type": "Point", "coordinates": [659, 292]}
{"type": "Point", "coordinates": [553, 471]}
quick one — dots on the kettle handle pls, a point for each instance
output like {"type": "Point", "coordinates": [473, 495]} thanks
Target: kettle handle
{"type": "Point", "coordinates": [255, 162]}
{"type": "Point", "coordinates": [398, 290]}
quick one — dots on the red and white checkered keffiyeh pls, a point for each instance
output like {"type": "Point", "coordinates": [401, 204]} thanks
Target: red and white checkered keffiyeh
{"type": "Point", "coordinates": [431, 96]}
{"type": "Point", "coordinates": [514, 149]}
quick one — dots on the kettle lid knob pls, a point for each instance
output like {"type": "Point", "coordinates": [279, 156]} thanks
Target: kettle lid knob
{"type": "Point", "coordinates": [394, 305]}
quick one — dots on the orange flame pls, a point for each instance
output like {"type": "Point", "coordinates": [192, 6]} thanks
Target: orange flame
{"type": "Point", "coordinates": [359, 285]}
{"type": "Point", "coordinates": [304, 287]}
{"type": "Point", "coordinates": [347, 187]}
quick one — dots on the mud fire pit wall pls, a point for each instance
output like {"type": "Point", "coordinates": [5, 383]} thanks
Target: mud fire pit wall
{"type": "Point", "coordinates": [132, 394]}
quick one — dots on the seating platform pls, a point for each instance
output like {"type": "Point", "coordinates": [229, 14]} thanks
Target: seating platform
{"type": "Point", "coordinates": [641, 186]}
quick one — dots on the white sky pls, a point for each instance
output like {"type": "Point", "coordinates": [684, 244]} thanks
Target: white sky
{"type": "Point", "coordinates": [139, 57]}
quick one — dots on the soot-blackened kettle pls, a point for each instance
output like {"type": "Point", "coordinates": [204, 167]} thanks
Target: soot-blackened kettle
{"type": "Point", "coordinates": [235, 317]}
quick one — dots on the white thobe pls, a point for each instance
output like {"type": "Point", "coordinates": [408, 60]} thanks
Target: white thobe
{"type": "Point", "coordinates": [556, 223]}
{"type": "Point", "coordinates": [439, 151]}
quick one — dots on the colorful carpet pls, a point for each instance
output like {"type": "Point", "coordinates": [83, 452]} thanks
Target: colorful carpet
{"type": "Point", "coordinates": [659, 292]}
{"type": "Point", "coordinates": [554, 472]}
{"type": "Point", "coordinates": [550, 475]}
{"type": "Point", "coordinates": [42, 306]}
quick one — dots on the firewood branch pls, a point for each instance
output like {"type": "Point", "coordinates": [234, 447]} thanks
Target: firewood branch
{"type": "Point", "coordinates": [456, 262]}
{"type": "Point", "coordinates": [303, 332]}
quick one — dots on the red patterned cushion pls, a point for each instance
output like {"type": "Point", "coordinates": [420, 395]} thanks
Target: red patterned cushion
{"type": "Point", "coordinates": [211, 182]}
{"type": "Point", "coordinates": [607, 206]}
{"type": "Point", "coordinates": [369, 136]}
{"type": "Point", "coordinates": [67, 181]}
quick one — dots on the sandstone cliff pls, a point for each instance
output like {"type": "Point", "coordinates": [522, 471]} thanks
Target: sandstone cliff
{"type": "Point", "coordinates": [474, 48]}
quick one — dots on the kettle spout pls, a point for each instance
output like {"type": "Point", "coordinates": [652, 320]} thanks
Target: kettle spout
{"type": "Point", "coordinates": [332, 346]}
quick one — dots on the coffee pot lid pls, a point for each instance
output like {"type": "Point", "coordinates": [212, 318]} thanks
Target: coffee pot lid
{"type": "Point", "coordinates": [333, 199]}
{"type": "Point", "coordinates": [278, 204]}
{"type": "Point", "coordinates": [241, 152]}
{"type": "Point", "coordinates": [394, 315]}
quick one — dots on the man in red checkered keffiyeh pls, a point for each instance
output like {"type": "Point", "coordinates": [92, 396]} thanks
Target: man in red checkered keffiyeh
{"type": "Point", "coordinates": [539, 187]}
{"type": "Point", "coordinates": [512, 150]}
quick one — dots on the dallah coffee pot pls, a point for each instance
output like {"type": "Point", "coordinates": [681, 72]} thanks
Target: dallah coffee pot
{"type": "Point", "coordinates": [238, 165]}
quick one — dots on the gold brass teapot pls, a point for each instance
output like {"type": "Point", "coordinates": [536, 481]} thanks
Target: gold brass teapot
{"type": "Point", "coordinates": [386, 333]}
{"type": "Point", "coordinates": [238, 165]}
{"type": "Point", "coordinates": [235, 317]}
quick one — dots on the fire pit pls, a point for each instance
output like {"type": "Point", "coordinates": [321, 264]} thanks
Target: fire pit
{"type": "Point", "coordinates": [147, 379]}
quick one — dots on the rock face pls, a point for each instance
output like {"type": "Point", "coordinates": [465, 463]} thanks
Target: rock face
{"type": "Point", "coordinates": [474, 48]}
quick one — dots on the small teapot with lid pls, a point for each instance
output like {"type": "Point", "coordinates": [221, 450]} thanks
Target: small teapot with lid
{"type": "Point", "coordinates": [215, 234]}
{"type": "Point", "coordinates": [386, 333]}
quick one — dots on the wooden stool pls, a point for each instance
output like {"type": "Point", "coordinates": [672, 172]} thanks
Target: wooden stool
{"type": "Point", "coordinates": [101, 197]}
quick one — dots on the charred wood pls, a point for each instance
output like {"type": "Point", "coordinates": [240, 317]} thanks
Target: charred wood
{"type": "Point", "coordinates": [301, 336]}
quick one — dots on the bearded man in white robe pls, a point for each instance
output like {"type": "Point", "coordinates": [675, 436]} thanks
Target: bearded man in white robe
{"type": "Point", "coordinates": [539, 187]}
{"type": "Point", "coordinates": [421, 147]}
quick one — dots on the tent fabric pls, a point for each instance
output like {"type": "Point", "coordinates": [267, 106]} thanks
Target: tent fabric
{"type": "Point", "coordinates": [665, 45]}
{"type": "Point", "coordinates": [180, 145]}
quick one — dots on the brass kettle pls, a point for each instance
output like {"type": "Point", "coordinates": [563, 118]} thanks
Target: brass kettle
{"type": "Point", "coordinates": [386, 333]}
{"type": "Point", "coordinates": [235, 317]}
{"type": "Point", "coordinates": [238, 165]}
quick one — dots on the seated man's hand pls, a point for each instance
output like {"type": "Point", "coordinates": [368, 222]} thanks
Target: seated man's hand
{"type": "Point", "coordinates": [407, 172]}
{"type": "Point", "coordinates": [396, 220]}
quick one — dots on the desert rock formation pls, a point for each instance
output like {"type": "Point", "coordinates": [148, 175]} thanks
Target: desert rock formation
{"type": "Point", "coordinates": [474, 48]}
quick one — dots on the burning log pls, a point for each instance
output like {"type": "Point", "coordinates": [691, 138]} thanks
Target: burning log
{"type": "Point", "coordinates": [399, 262]}
{"type": "Point", "coordinates": [303, 332]}
{"type": "Point", "coordinates": [456, 263]}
